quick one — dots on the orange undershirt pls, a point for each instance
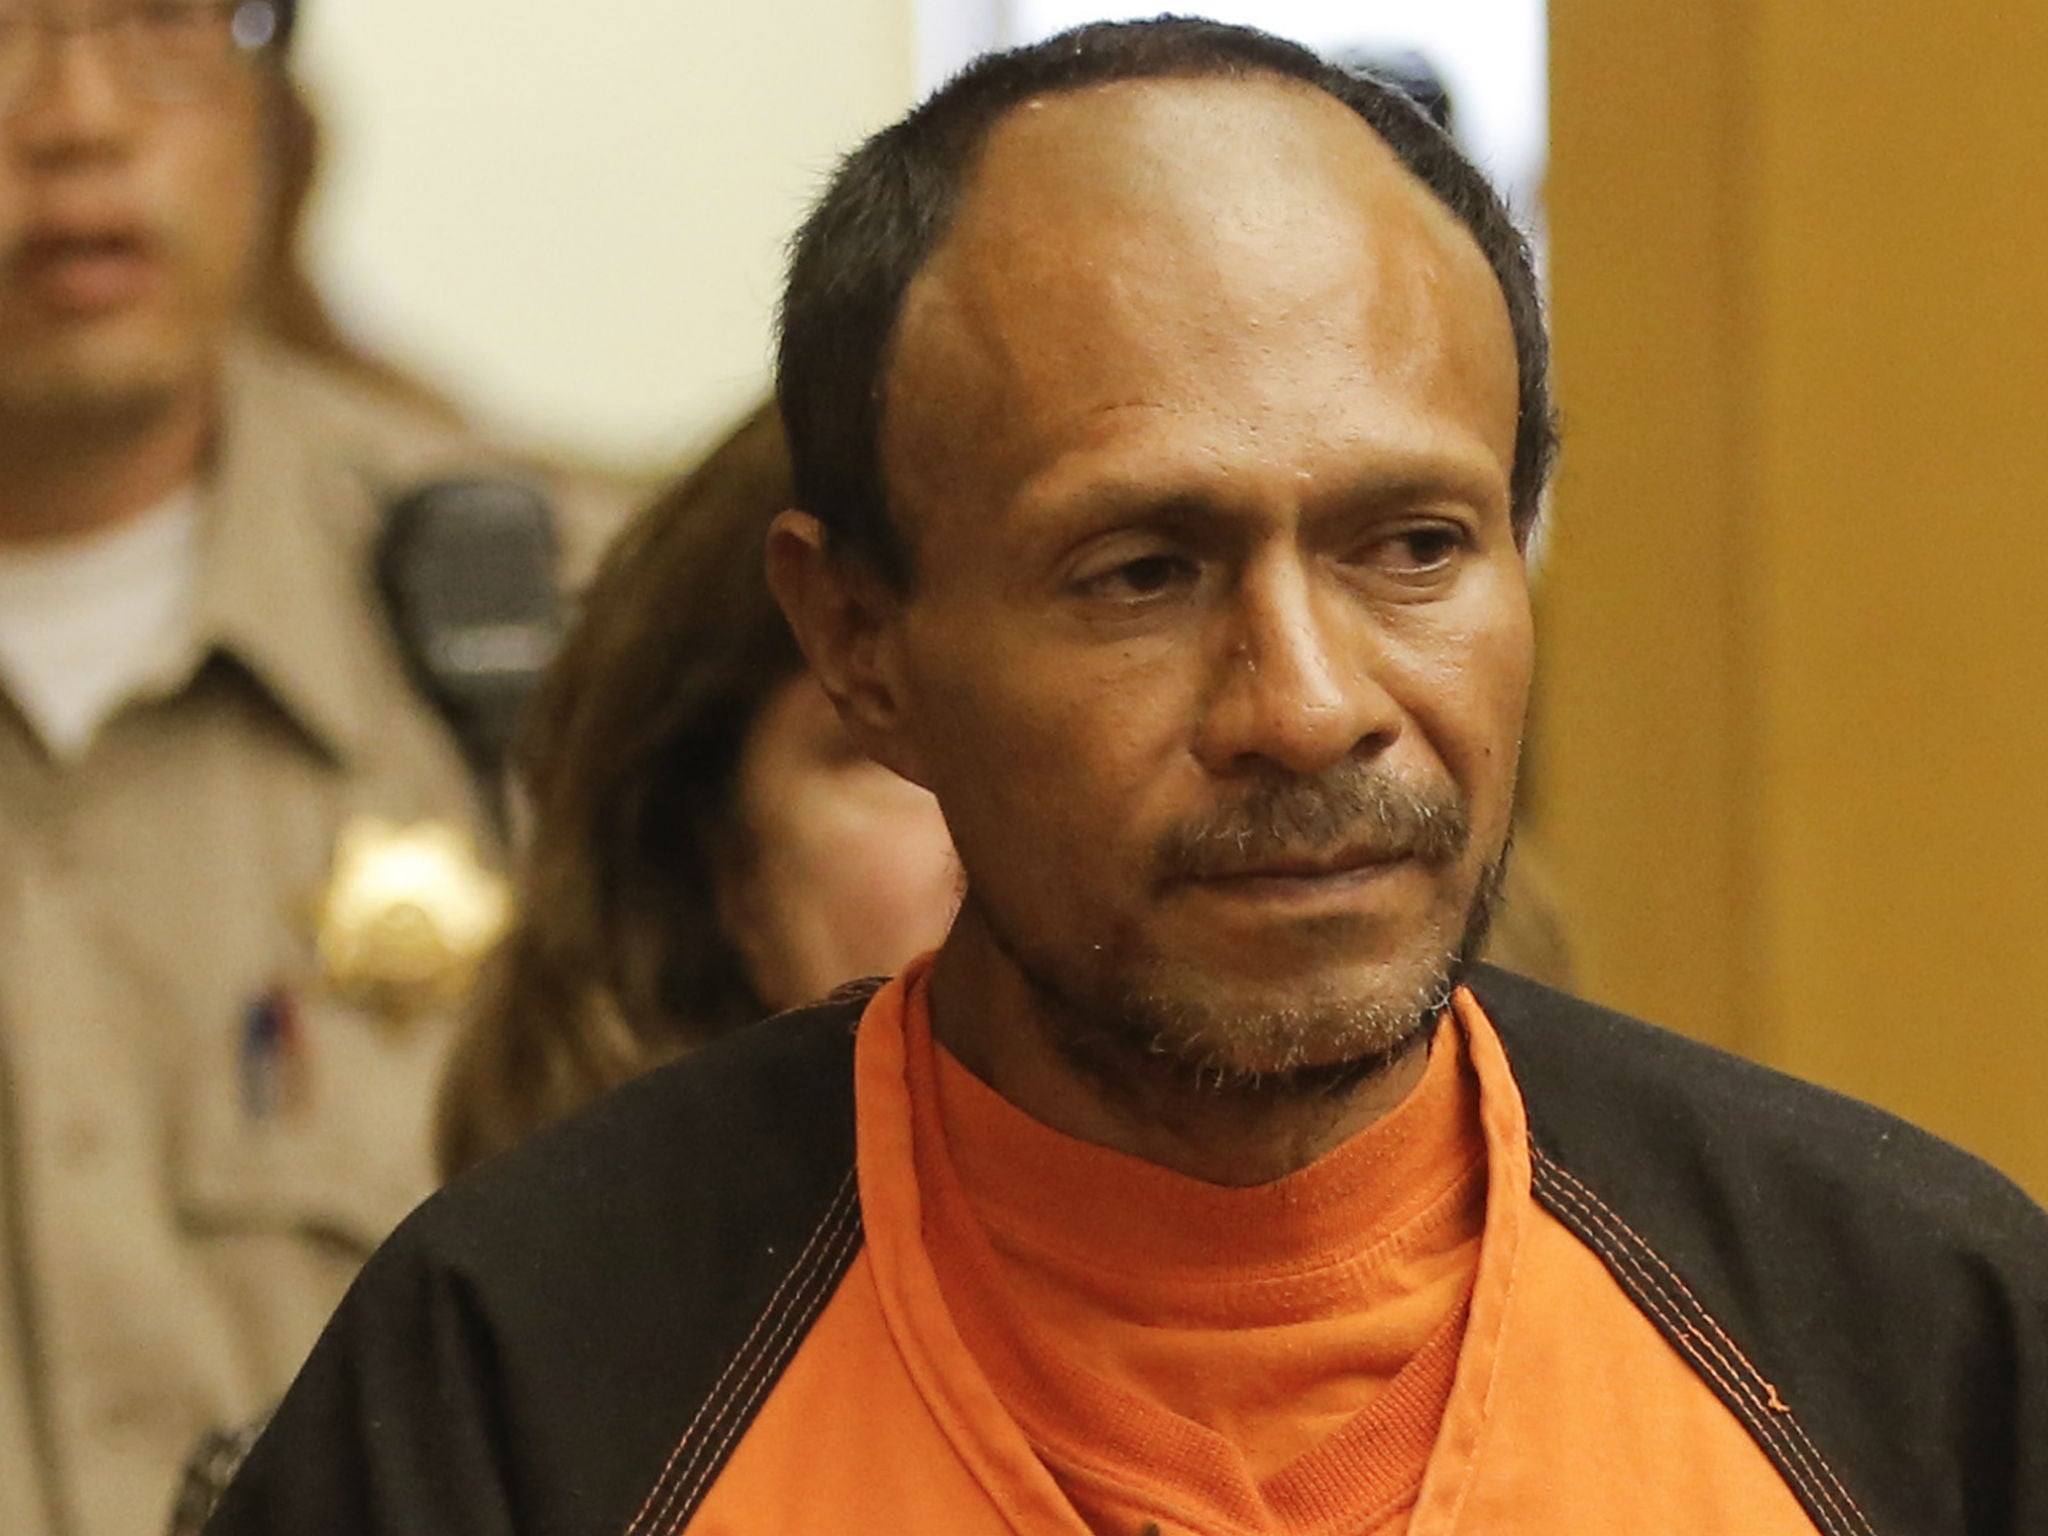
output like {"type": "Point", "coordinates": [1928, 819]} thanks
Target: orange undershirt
{"type": "Point", "coordinates": [1274, 1359]}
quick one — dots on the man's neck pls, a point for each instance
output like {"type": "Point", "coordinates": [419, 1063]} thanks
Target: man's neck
{"type": "Point", "coordinates": [70, 476]}
{"type": "Point", "coordinates": [988, 1015]}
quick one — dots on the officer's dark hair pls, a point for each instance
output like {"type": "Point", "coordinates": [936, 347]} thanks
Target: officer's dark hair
{"type": "Point", "coordinates": [893, 199]}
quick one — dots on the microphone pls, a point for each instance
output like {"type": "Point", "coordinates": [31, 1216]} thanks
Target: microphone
{"type": "Point", "coordinates": [467, 572]}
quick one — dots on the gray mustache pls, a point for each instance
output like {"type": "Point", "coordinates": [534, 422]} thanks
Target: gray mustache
{"type": "Point", "coordinates": [1352, 810]}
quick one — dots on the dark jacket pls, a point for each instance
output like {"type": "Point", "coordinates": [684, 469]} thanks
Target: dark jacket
{"type": "Point", "coordinates": [525, 1354]}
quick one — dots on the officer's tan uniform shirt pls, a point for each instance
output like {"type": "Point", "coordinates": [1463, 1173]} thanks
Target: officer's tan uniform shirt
{"type": "Point", "coordinates": [198, 1141]}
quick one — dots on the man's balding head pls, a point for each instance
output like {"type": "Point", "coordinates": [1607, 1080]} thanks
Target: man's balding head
{"type": "Point", "coordinates": [1108, 235]}
{"type": "Point", "coordinates": [895, 198]}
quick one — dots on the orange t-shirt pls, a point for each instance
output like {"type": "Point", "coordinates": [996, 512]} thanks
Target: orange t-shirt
{"type": "Point", "coordinates": [1202, 1357]}
{"type": "Point", "coordinates": [966, 1380]}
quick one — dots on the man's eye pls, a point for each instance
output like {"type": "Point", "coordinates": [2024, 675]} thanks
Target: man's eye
{"type": "Point", "coordinates": [1135, 580]}
{"type": "Point", "coordinates": [1153, 573]}
{"type": "Point", "coordinates": [1419, 551]}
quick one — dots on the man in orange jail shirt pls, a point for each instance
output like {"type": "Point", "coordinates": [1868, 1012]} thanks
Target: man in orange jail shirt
{"type": "Point", "coordinates": [1170, 418]}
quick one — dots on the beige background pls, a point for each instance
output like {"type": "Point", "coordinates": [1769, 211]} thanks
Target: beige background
{"type": "Point", "coordinates": [572, 217]}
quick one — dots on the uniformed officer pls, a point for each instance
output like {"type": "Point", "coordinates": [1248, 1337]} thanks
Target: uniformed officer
{"type": "Point", "coordinates": [244, 863]}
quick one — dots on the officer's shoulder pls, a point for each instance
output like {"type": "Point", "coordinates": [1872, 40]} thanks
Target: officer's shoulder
{"type": "Point", "coordinates": [1645, 1111]}
{"type": "Point", "coordinates": [355, 418]}
{"type": "Point", "coordinates": [390, 442]}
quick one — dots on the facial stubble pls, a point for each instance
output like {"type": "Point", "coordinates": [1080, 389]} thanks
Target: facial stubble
{"type": "Point", "coordinates": [1140, 1024]}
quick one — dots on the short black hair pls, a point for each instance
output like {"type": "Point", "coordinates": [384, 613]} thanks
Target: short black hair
{"type": "Point", "coordinates": [892, 200]}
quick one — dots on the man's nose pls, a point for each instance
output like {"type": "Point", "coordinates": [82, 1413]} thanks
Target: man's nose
{"type": "Point", "coordinates": [1295, 686]}
{"type": "Point", "coordinates": [77, 106]}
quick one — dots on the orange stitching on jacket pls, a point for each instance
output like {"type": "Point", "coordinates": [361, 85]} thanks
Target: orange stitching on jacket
{"type": "Point", "coordinates": [725, 1401]}
{"type": "Point", "coordinates": [762, 1379]}
{"type": "Point", "coordinates": [638, 1524]}
{"type": "Point", "coordinates": [1639, 1285]}
{"type": "Point", "coordinates": [1804, 1463]}
{"type": "Point", "coordinates": [1772, 1401]}
{"type": "Point", "coordinates": [719, 1403]}
{"type": "Point", "coordinates": [1642, 1285]}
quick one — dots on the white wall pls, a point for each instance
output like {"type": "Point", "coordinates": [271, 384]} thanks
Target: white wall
{"type": "Point", "coordinates": [572, 217]}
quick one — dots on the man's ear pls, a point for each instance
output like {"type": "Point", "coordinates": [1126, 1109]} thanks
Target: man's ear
{"type": "Point", "coordinates": [845, 618]}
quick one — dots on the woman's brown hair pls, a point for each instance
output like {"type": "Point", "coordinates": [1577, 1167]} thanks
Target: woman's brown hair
{"type": "Point", "coordinates": [615, 959]}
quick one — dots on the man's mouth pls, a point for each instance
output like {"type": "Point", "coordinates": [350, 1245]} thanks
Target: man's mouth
{"type": "Point", "coordinates": [83, 272]}
{"type": "Point", "coordinates": [1301, 875]}
{"type": "Point", "coordinates": [1309, 866]}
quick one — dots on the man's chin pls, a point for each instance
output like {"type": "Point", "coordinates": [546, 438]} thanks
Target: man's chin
{"type": "Point", "coordinates": [1236, 1035]}
{"type": "Point", "coordinates": [1309, 1004]}
{"type": "Point", "coordinates": [1334, 1012]}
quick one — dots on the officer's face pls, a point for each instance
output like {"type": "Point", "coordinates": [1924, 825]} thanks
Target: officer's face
{"type": "Point", "coordinates": [1200, 428]}
{"type": "Point", "coordinates": [126, 223]}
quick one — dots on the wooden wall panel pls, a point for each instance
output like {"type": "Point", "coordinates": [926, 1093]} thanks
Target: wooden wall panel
{"type": "Point", "coordinates": [1796, 668]}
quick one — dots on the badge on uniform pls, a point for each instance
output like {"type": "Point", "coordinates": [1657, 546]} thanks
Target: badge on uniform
{"type": "Point", "coordinates": [407, 917]}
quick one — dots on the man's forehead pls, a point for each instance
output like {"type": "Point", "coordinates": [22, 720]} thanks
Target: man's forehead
{"type": "Point", "coordinates": [1176, 213]}
{"type": "Point", "coordinates": [1134, 170]}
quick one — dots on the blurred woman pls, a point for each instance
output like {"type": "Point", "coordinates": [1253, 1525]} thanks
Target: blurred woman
{"type": "Point", "coordinates": [708, 846]}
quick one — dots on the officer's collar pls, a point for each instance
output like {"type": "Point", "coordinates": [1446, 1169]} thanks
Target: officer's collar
{"type": "Point", "coordinates": [284, 585]}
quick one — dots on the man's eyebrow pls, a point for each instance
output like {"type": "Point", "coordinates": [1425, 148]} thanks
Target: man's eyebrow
{"type": "Point", "coordinates": [1437, 480]}
{"type": "Point", "coordinates": [1221, 498]}
{"type": "Point", "coordinates": [1114, 498]}
{"type": "Point", "coordinates": [1459, 471]}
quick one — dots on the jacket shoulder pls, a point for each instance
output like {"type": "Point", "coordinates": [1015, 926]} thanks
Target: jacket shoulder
{"type": "Point", "coordinates": [747, 1134]}
{"type": "Point", "coordinates": [1612, 1095]}
{"type": "Point", "coordinates": [1888, 1287]}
